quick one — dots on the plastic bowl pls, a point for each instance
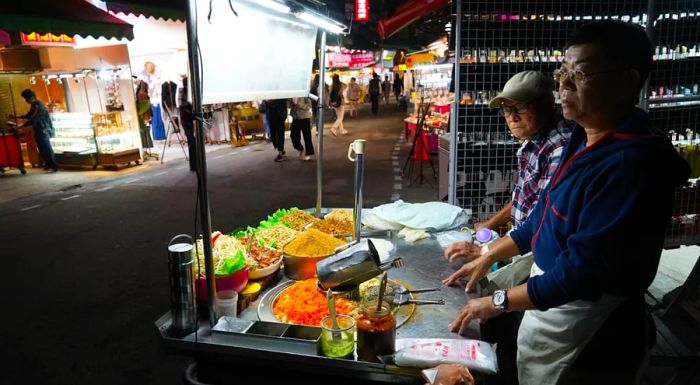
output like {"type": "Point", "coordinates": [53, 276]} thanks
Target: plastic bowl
{"type": "Point", "coordinates": [235, 281]}
{"type": "Point", "coordinates": [264, 272]}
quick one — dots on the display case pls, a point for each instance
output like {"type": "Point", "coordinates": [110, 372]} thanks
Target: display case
{"type": "Point", "coordinates": [74, 140]}
{"type": "Point", "coordinates": [116, 144]}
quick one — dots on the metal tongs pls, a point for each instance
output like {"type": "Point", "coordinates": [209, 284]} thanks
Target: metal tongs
{"type": "Point", "coordinates": [402, 299]}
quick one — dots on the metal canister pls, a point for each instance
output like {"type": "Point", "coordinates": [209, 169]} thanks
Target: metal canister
{"type": "Point", "coordinates": [183, 306]}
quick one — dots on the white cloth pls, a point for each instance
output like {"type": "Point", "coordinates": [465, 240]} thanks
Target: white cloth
{"type": "Point", "coordinates": [430, 216]}
{"type": "Point", "coordinates": [550, 341]}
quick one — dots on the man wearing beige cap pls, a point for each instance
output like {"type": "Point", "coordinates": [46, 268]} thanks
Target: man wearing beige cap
{"type": "Point", "coordinates": [527, 103]}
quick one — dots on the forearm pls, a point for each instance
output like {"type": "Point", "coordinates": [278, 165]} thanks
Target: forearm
{"type": "Point", "coordinates": [518, 299]}
{"type": "Point", "coordinates": [500, 250]}
{"type": "Point", "coordinates": [501, 218]}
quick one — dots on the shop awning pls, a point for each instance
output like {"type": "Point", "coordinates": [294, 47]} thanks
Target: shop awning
{"type": "Point", "coordinates": [69, 17]}
{"type": "Point", "coordinates": [165, 9]}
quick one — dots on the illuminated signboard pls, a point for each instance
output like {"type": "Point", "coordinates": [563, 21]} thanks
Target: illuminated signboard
{"type": "Point", "coordinates": [349, 60]}
{"type": "Point", "coordinates": [361, 10]}
{"type": "Point", "coordinates": [46, 39]}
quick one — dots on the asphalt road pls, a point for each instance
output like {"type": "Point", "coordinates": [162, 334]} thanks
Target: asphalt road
{"type": "Point", "coordinates": [85, 269]}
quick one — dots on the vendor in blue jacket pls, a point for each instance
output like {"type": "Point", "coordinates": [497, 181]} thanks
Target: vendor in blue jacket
{"type": "Point", "coordinates": [598, 228]}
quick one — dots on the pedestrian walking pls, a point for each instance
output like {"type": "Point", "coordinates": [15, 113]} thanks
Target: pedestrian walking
{"type": "Point", "coordinates": [337, 102]}
{"type": "Point", "coordinates": [38, 117]}
{"type": "Point", "coordinates": [374, 89]}
{"type": "Point", "coordinates": [301, 125]}
{"type": "Point", "coordinates": [353, 96]}
{"type": "Point", "coordinates": [276, 116]}
{"type": "Point", "coordinates": [386, 89]}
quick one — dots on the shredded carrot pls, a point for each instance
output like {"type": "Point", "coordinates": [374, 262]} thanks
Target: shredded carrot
{"type": "Point", "coordinates": [303, 304]}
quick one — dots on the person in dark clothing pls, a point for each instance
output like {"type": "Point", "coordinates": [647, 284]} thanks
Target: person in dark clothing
{"type": "Point", "coordinates": [598, 230]}
{"type": "Point", "coordinates": [301, 125]}
{"type": "Point", "coordinates": [398, 86]}
{"type": "Point", "coordinates": [276, 115]}
{"type": "Point", "coordinates": [374, 90]}
{"type": "Point", "coordinates": [187, 120]}
{"type": "Point", "coordinates": [38, 117]}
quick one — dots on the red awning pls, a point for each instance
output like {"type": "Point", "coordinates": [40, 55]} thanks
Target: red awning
{"type": "Point", "coordinates": [69, 17]}
{"type": "Point", "coordinates": [406, 14]}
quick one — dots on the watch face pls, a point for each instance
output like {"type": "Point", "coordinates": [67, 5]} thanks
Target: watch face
{"type": "Point", "coordinates": [499, 298]}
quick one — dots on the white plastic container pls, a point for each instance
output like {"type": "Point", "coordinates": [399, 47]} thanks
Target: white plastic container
{"type": "Point", "coordinates": [226, 303]}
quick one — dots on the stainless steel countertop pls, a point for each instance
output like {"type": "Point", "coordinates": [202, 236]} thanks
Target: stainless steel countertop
{"type": "Point", "coordinates": [424, 266]}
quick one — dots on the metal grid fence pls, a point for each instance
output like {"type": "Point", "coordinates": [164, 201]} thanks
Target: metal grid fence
{"type": "Point", "coordinates": [501, 38]}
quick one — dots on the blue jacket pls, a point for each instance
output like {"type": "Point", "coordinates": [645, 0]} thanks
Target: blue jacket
{"type": "Point", "coordinates": [599, 226]}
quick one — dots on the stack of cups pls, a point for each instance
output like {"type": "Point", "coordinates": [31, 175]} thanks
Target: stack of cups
{"type": "Point", "coordinates": [226, 303]}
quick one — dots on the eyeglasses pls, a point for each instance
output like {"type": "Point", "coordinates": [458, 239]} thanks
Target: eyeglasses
{"type": "Point", "coordinates": [577, 76]}
{"type": "Point", "coordinates": [517, 109]}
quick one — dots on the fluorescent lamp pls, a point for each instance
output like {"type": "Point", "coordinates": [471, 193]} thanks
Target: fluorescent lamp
{"type": "Point", "coordinates": [320, 22]}
{"type": "Point", "coordinates": [80, 75]}
{"type": "Point", "coordinates": [52, 77]}
{"type": "Point", "coordinates": [273, 5]}
{"type": "Point", "coordinates": [65, 76]}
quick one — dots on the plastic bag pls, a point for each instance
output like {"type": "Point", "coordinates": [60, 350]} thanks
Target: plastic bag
{"type": "Point", "coordinates": [447, 238]}
{"type": "Point", "coordinates": [429, 352]}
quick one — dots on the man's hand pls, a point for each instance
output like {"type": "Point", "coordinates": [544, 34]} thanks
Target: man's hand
{"type": "Point", "coordinates": [478, 308]}
{"type": "Point", "coordinates": [452, 374]}
{"type": "Point", "coordinates": [462, 249]}
{"type": "Point", "coordinates": [475, 269]}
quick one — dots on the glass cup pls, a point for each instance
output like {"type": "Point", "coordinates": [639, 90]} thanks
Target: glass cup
{"type": "Point", "coordinates": [340, 342]}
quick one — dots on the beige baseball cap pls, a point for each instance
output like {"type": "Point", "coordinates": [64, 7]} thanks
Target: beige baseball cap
{"type": "Point", "coordinates": [524, 87]}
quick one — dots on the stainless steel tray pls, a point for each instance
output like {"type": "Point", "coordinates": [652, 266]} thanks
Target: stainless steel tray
{"type": "Point", "coordinates": [402, 314]}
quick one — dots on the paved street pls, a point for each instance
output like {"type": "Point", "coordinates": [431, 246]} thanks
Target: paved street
{"type": "Point", "coordinates": [85, 262]}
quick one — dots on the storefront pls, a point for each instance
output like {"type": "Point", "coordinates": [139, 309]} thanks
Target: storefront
{"type": "Point", "coordinates": [89, 95]}
{"type": "Point", "coordinates": [88, 91]}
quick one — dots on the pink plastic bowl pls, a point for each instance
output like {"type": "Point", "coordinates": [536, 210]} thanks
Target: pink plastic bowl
{"type": "Point", "coordinates": [235, 281]}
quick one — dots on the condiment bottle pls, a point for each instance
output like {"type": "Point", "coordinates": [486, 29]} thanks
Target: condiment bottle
{"type": "Point", "coordinates": [376, 331]}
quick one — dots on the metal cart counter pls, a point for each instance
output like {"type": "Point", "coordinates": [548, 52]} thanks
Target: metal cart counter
{"type": "Point", "coordinates": [424, 266]}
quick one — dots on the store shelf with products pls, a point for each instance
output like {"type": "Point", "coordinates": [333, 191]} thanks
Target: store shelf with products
{"type": "Point", "coordinates": [74, 141]}
{"type": "Point", "coordinates": [498, 39]}
{"type": "Point", "coordinates": [115, 142]}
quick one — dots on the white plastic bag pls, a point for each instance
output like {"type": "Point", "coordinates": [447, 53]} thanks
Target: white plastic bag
{"type": "Point", "coordinates": [447, 238]}
{"type": "Point", "coordinates": [429, 352]}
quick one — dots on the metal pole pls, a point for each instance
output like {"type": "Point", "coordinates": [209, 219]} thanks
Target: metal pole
{"type": "Point", "coordinates": [454, 116]}
{"type": "Point", "coordinates": [359, 147]}
{"type": "Point", "coordinates": [319, 123]}
{"type": "Point", "coordinates": [651, 16]}
{"type": "Point", "coordinates": [195, 81]}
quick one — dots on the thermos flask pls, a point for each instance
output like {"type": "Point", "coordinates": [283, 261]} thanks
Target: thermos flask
{"type": "Point", "coordinates": [183, 308]}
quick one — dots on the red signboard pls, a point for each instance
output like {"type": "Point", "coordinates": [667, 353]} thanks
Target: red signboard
{"type": "Point", "coordinates": [46, 39]}
{"type": "Point", "coordinates": [349, 59]}
{"type": "Point", "coordinates": [361, 10]}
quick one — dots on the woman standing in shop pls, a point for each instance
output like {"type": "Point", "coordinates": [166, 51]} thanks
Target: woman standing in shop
{"type": "Point", "coordinates": [337, 102]}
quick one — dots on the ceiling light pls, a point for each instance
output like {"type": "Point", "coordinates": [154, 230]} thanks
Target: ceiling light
{"type": "Point", "coordinates": [320, 22]}
{"type": "Point", "coordinates": [65, 76]}
{"type": "Point", "coordinates": [275, 6]}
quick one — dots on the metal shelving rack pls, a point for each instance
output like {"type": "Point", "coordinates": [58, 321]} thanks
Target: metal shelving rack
{"type": "Point", "coordinates": [497, 39]}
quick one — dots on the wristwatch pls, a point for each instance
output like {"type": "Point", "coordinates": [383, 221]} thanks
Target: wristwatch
{"type": "Point", "coordinates": [500, 300]}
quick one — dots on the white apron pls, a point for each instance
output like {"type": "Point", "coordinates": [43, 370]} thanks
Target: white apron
{"type": "Point", "coordinates": [550, 341]}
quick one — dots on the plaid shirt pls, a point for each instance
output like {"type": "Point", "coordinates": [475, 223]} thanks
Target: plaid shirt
{"type": "Point", "coordinates": [538, 159]}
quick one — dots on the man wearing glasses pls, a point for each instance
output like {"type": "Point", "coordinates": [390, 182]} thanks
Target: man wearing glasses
{"type": "Point", "coordinates": [527, 104]}
{"type": "Point", "coordinates": [598, 228]}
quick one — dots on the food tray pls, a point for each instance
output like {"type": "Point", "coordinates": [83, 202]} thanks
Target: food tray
{"type": "Point", "coordinates": [272, 336]}
{"type": "Point", "coordinates": [265, 313]}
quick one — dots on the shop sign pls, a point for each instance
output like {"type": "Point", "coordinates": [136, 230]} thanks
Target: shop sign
{"type": "Point", "coordinates": [419, 58]}
{"type": "Point", "coordinates": [361, 10]}
{"type": "Point", "coordinates": [349, 60]}
{"type": "Point", "coordinates": [46, 39]}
